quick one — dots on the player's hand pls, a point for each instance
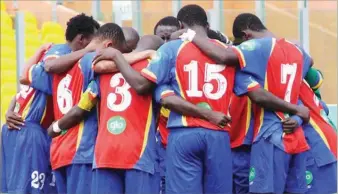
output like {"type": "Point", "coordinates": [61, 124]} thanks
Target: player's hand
{"type": "Point", "coordinates": [304, 113]}
{"type": "Point", "coordinates": [14, 120]}
{"type": "Point", "coordinates": [289, 125]}
{"type": "Point", "coordinates": [176, 35]}
{"type": "Point", "coordinates": [46, 46]}
{"type": "Point", "coordinates": [106, 54]}
{"type": "Point", "coordinates": [218, 119]}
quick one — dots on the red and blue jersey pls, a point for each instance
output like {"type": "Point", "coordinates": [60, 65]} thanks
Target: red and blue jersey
{"type": "Point", "coordinates": [75, 145]}
{"type": "Point", "coordinates": [127, 123]}
{"type": "Point", "coordinates": [34, 106]}
{"type": "Point", "coordinates": [241, 131]}
{"type": "Point", "coordinates": [321, 136]}
{"type": "Point", "coordinates": [279, 67]}
{"type": "Point", "coordinates": [193, 76]}
{"type": "Point", "coordinates": [162, 92]}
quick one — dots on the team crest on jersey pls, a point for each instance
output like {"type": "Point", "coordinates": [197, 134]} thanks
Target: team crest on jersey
{"type": "Point", "coordinates": [252, 175]}
{"type": "Point", "coordinates": [157, 57]}
{"type": "Point", "coordinates": [309, 178]}
{"type": "Point", "coordinates": [116, 125]}
{"type": "Point", "coordinates": [249, 45]}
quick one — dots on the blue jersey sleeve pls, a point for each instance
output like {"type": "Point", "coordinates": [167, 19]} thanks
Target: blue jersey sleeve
{"type": "Point", "coordinates": [158, 70]}
{"type": "Point", "coordinates": [38, 77]}
{"type": "Point", "coordinates": [91, 96]}
{"type": "Point", "coordinates": [244, 83]}
{"type": "Point", "coordinates": [253, 56]}
{"type": "Point", "coordinates": [163, 91]}
{"type": "Point", "coordinates": [86, 67]}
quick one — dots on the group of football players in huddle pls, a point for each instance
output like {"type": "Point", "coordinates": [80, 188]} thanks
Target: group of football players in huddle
{"type": "Point", "coordinates": [184, 110]}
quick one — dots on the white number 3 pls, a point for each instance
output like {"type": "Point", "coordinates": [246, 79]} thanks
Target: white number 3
{"type": "Point", "coordinates": [123, 91]}
{"type": "Point", "coordinates": [38, 180]}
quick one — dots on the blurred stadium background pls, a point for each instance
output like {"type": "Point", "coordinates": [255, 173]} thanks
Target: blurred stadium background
{"type": "Point", "coordinates": [25, 25]}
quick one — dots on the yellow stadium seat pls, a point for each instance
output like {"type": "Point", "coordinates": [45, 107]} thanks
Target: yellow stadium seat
{"type": "Point", "coordinates": [7, 39]}
{"type": "Point", "coordinates": [8, 76]}
{"type": "Point", "coordinates": [8, 64]}
{"type": "Point", "coordinates": [8, 52]}
{"type": "Point", "coordinates": [56, 39]}
{"type": "Point", "coordinates": [32, 40]}
{"type": "Point", "coordinates": [51, 28]}
{"type": "Point", "coordinates": [7, 30]}
{"type": "Point", "coordinates": [30, 19]}
{"type": "Point", "coordinates": [30, 51]}
{"type": "Point", "coordinates": [3, 6]}
{"type": "Point", "coordinates": [31, 29]}
{"type": "Point", "coordinates": [6, 19]}
{"type": "Point", "coordinates": [8, 89]}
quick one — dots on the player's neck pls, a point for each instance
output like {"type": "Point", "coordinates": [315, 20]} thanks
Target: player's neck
{"type": "Point", "coordinates": [265, 34]}
{"type": "Point", "coordinates": [73, 46]}
{"type": "Point", "coordinates": [199, 30]}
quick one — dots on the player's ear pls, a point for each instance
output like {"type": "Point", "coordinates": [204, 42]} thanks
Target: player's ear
{"type": "Point", "coordinates": [108, 44]}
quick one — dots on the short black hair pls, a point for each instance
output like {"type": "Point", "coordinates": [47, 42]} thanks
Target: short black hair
{"type": "Point", "coordinates": [246, 21]}
{"type": "Point", "coordinates": [193, 15]}
{"type": "Point", "coordinates": [218, 36]}
{"type": "Point", "coordinates": [168, 21]}
{"type": "Point", "coordinates": [81, 24]}
{"type": "Point", "coordinates": [111, 31]}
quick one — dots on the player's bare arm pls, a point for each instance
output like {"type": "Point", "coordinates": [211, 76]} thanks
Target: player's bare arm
{"type": "Point", "coordinates": [106, 66]}
{"type": "Point", "coordinates": [269, 101]}
{"type": "Point", "coordinates": [32, 61]}
{"type": "Point", "coordinates": [71, 119]}
{"type": "Point", "coordinates": [66, 62]}
{"type": "Point", "coordinates": [13, 119]}
{"type": "Point", "coordinates": [139, 83]}
{"type": "Point", "coordinates": [220, 54]}
{"type": "Point", "coordinates": [183, 107]}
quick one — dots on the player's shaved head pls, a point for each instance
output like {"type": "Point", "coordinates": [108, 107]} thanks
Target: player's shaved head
{"type": "Point", "coordinates": [131, 36]}
{"type": "Point", "coordinates": [149, 42]}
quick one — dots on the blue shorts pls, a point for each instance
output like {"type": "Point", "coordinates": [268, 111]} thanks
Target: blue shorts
{"type": "Point", "coordinates": [74, 179]}
{"type": "Point", "coordinates": [161, 151]}
{"type": "Point", "coordinates": [199, 162]}
{"type": "Point", "coordinates": [106, 181]}
{"type": "Point", "coordinates": [25, 160]}
{"type": "Point", "coordinates": [241, 169]}
{"type": "Point", "coordinates": [274, 171]}
{"type": "Point", "coordinates": [321, 179]}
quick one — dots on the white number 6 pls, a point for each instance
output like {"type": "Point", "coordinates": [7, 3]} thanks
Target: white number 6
{"type": "Point", "coordinates": [64, 95]}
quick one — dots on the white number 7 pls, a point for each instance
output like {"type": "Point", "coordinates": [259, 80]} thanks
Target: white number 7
{"type": "Point", "coordinates": [288, 69]}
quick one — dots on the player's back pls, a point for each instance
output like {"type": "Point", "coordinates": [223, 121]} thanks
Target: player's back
{"type": "Point", "coordinates": [326, 135]}
{"type": "Point", "coordinates": [127, 122]}
{"type": "Point", "coordinates": [76, 144]}
{"type": "Point", "coordinates": [202, 82]}
{"type": "Point", "coordinates": [278, 66]}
